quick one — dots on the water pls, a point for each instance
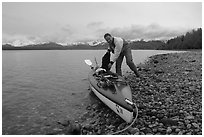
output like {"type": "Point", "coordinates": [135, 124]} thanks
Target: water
{"type": "Point", "coordinates": [43, 86]}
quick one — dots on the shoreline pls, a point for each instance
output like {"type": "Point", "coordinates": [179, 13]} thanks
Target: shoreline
{"type": "Point", "coordinates": [169, 100]}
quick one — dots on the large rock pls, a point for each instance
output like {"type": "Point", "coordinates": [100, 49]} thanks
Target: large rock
{"type": "Point", "coordinates": [167, 121]}
{"type": "Point", "coordinates": [132, 131]}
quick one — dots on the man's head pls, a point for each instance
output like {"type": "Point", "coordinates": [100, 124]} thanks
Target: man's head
{"type": "Point", "coordinates": [108, 38]}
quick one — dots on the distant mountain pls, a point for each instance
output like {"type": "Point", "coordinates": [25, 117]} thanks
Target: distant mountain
{"type": "Point", "coordinates": [44, 46]}
{"type": "Point", "coordinates": [55, 46]}
{"type": "Point", "coordinates": [83, 46]}
{"type": "Point", "coordinates": [7, 46]}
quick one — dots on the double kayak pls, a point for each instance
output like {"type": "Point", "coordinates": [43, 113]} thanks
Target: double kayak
{"type": "Point", "coordinates": [114, 91]}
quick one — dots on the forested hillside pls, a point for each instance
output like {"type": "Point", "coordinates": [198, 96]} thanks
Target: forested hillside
{"type": "Point", "coordinates": [191, 40]}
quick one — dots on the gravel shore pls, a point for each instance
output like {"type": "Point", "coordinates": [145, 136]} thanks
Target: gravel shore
{"type": "Point", "coordinates": [168, 96]}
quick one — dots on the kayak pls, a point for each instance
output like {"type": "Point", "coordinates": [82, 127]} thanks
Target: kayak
{"type": "Point", "coordinates": [113, 91]}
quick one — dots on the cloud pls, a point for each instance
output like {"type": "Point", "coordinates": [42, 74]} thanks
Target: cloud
{"type": "Point", "coordinates": [95, 25]}
{"type": "Point", "coordinates": [20, 40]}
{"type": "Point", "coordinates": [150, 32]}
{"type": "Point", "coordinates": [94, 32]}
{"type": "Point", "coordinates": [68, 29]}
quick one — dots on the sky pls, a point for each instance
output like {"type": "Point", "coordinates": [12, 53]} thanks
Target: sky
{"type": "Point", "coordinates": [67, 22]}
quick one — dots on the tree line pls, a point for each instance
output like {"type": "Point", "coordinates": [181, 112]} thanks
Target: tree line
{"type": "Point", "coordinates": [191, 40]}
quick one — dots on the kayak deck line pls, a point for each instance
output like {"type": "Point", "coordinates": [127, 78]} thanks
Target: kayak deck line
{"type": "Point", "coordinates": [118, 91]}
{"type": "Point", "coordinates": [131, 110]}
{"type": "Point", "coordinates": [119, 110]}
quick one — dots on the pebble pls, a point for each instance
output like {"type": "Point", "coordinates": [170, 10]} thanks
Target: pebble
{"type": "Point", "coordinates": [190, 117]}
{"type": "Point", "coordinates": [153, 117]}
{"type": "Point", "coordinates": [142, 133]}
{"type": "Point", "coordinates": [88, 108]}
{"type": "Point", "coordinates": [169, 130]}
{"type": "Point", "coordinates": [99, 132]}
{"type": "Point", "coordinates": [177, 130]}
{"type": "Point", "coordinates": [148, 130]}
{"type": "Point", "coordinates": [187, 121]}
{"type": "Point", "coordinates": [160, 116]}
{"type": "Point", "coordinates": [121, 126]}
{"type": "Point", "coordinates": [189, 133]}
{"type": "Point", "coordinates": [154, 112]}
{"type": "Point", "coordinates": [154, 130]}
{"type": "Point", "coordinates": [94, 106]}
{"type": "Point", "coordinates": [195, 125]}
{"type": "Point", "coordinates": [57, 129]}
{"type": "Point", "coordinates": [134, 130]}
{"type": "Point", "coordinates": [189, 126]}
{"type": "Point", "coordinates": [161, 124]}
{"type": "Point", "coordinates": [161, 129]}
{"type": "Point", "coordinates": [63, 122]}
{"type": "Point", "coordinates": [111, 127]}
{"type": "Point", "coordinates": [180, 133]}
{"type": "Point", "coordinates": [173, 127]}
{"type": "Point", "coordinates": [143, 128]}
{"type": "Point", "coordinates": [87, 126]}
{"type": "Point", "coordinates": [167, 121]}
{"type": "Point", "coordinates": [137, 133]}
{"type": "Point", "coordinates": [152, 125]}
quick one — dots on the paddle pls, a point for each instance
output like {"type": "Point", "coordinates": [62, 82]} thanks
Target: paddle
{"type": "Point", "coordinates": [96, 62]}
{"type": "Point", "coordinates": [89, 63]}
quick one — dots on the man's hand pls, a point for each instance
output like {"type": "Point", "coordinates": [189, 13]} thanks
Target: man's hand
{"type": "Point", "coordinates": [110, 65]}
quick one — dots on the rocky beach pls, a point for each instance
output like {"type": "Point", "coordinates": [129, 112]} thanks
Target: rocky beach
{"type": "Point", "coordinates": [168, 96]}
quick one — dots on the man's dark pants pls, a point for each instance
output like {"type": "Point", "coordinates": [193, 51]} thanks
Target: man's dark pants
{"type": "Point", "coordinates": [126, 51]}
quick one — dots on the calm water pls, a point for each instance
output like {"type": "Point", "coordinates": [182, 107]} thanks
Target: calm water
{"type": "Point", "coordinates": [41, 87]}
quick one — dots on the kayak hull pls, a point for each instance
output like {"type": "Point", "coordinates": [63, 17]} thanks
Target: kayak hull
{"type": "Point", "coordinates": [115, 97]}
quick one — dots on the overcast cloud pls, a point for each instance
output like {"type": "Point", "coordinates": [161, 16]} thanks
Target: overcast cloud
{"type": "Point", "coordinates": [24, 23]}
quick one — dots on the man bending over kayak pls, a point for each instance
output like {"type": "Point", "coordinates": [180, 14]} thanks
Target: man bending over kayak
{"type": "Point", "coordinates": [120, 48]}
